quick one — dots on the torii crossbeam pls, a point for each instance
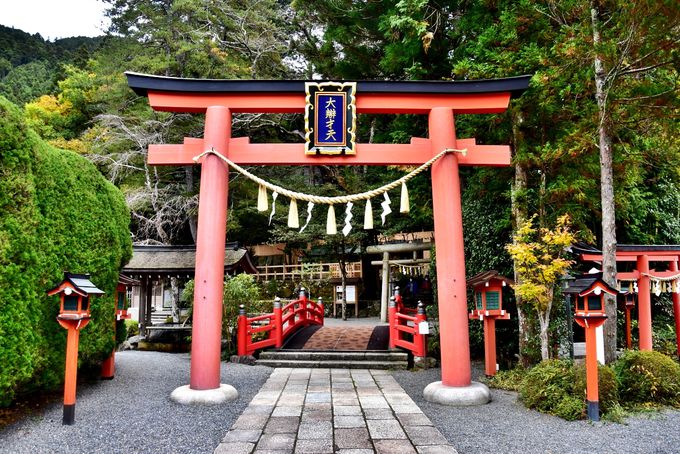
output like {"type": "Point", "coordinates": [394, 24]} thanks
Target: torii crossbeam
{"type": "Point", "coordinates": [219, 99]}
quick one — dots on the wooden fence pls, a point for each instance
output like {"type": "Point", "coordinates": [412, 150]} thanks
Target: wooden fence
{"type": "Point", "coordinates": [318, 271]}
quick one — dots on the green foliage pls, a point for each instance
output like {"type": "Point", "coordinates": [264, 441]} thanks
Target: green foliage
{"type": "Point", "coordinates": [608, 386]}
{"type": "Point", "coordinates": [510, 380]}
{"type": "Point", "coordinates": [649, 378]}
{"type": "Point", "coordinates": [121, 331]}
{"type": "Point", "coordinates": [558, 387]}
{"type": "Point", "coordinates": [56, 213]}
{"type": "Point", "coordinates": [27, 82]}
{"type": "Point", "coordinates": [131, 328]}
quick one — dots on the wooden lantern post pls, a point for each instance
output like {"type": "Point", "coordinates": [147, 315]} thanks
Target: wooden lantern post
{"type": "Point", "coordinates": [109, 365]}
{"type": "Point", "coordinates": [629, 305]}
{"type": "Point", "coordinates": [74, 314]}
{"type": "Point", "coordinates": [488, 291]}
{"type": "Point", "coordinates": [589, 291]}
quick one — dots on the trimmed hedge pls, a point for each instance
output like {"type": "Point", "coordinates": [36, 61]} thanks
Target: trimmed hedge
{"type": "Point", "coordinates": [57, 213]}
{"type": "Point", "coordinates": [648, 377]}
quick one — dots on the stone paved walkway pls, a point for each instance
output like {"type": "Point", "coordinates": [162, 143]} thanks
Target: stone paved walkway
{"type": "Point", "coordinates": [332, 410]}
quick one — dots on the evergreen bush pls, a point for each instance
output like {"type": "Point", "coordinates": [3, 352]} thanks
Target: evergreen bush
{"type": "Point", "coordinates": [558, 387]}
{"type": "Point", "coordinates": [607, 384]}
{"type": "Point", "coordinates": [57, 213]}
{"type": "Point", "coordinates": [648, 377]}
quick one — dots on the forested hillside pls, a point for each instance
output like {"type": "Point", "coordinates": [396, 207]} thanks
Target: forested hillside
{"type": "Point", "coordinates": [31, 67]}
{"type": "Point", "coordinates": [595, 136]}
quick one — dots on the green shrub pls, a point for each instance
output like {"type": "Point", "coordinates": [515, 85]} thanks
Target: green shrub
{"type": "Point", "coordinates": [56, 213]}
{"type": "Point", "coordinates": [510, 380]}
{"type": "Point", "coordinates": [607, 384]}
{"type": "Point", "coordinates": [131, 327]}
{"type": "Point", "coordinates": [569, 408]}
{"type": "Point", "coordinates": [648, 377]}
{"type": "Point", "coordinates": [547, 384]}
{"type": "Point", "coordinates": [558, 387]}
{"type": "Point", "coordinates": [121, 332]}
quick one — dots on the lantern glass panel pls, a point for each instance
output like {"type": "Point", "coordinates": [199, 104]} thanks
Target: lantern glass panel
{"type": "Point", "coordinates": [478, 297]}
{"type": "Point", "coordinates": [580, 304]}
{"type": "Point", "coordinates": [492, 301]}
{"type": "Point", "coordinates": [121, 301]}
{"type": "Point", "coordinates": [594, 303]}
{"type": "Point", "coordinates": [86, 303]}
{"type": "Point", "coordinates": [71, 302]}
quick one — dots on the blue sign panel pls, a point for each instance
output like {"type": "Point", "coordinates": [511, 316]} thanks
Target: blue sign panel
{"type": "Point", "coordinates": [330, 118]}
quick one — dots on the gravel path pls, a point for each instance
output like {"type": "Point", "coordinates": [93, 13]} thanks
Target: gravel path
{"type": "Point", "coordinates": [505, 426]}
{"type": "Point", "coordinates": [133, 413]}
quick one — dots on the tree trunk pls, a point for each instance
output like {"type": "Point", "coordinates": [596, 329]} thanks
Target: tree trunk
{"type": "Point", "coordinates": [544, 322]}
{"type": "Point", "coordinates": [519, 215]}
{"type": "Point", "coordinates": [606, 191]}
{"type": "Point", "coordinates": [174, 285]}
{"type": "Point", "coordinates": [189, 184]}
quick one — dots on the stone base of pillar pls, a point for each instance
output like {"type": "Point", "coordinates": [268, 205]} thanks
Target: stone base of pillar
{"type": "Point", "coordinates": [187, 396]}
{"type": "Point", "coordinates": [463, 396]}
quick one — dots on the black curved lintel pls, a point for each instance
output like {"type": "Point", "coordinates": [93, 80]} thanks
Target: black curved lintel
{"type": "Point", "coordinates": [143, 83]}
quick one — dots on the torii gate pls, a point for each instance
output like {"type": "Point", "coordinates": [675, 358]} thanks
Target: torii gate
{"type": "Point", "coordinates": [642, 255]}
{"type": "Point", "coordinates": [219, 99]}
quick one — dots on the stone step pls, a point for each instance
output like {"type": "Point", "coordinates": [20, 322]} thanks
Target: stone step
{"type": "Point", "coordinates": [333, 364]}
{"type": "Point", "coordinates": [309, 355]}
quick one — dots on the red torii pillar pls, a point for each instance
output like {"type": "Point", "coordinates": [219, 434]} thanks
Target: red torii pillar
{"type": "Point", "coordinates": [219, 98]}
{"type": "Point", "coordinates": [676, 307]}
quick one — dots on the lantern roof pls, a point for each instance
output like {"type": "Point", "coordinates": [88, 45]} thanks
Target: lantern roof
{"type": "Point", "coordinates": [584, 284]}
{"type": "Point", "coordinates": [79, 282]}
{"type": "Point", "coordinates": [486, 276]}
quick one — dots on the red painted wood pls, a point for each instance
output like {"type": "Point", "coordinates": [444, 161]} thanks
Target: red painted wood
{"type": "Point", "coordinates": [490, 346]}
{"type": "Point", "coordinates": [206, 334]}
{"type": "Point", "coordinates": [654, 256]}
{"type": "Point", "coordinates": [282, 322]}
{"type": "Point", "coordinates": [626, 276]}
{"type": "Point", "coordinates": [629, 337]}
{"type": "Point", "coordinates": [448, 226]}
{"type": "Point", "coordinates": [676, 308]}
{"type": "Point", "coordinates": [386, 103]}
{"type": "Point", "coordinates": [71, 372]}
{"type": "Point", "coordinates": [244, 153]}
{"type": "Point", "coordinates": [644, 304]}
{"type": "Point", "coordinates": [592, 385]}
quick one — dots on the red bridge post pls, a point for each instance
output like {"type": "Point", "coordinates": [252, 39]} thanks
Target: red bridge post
{"type": "Point", "coordinates": [242, 331]}
{"type": "Point", "coordinates": [278, 322]}
{"type": "Point", "coordinates": [392, 317]}
{"type": "Point", "coordinates": [321, 310]}
{"type": "Point", "coordinates": [420, 339]}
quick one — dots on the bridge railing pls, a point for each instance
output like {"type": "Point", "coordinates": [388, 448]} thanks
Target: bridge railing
{"type": "Point", "coordinates": [405, 329]}
{"type": "Point", "coordinates": [278, 325]}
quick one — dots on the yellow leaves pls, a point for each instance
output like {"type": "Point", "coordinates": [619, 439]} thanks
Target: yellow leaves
{"type": "Point", "coordinates": [77, 145]}
{"type": "Point", "coordinates": [427, 38]}
{"type": "Point", "coordinates": [539, 259]}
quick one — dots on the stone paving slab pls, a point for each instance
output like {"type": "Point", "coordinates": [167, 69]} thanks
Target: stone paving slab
{"type": "Point", "coordinates": [346, 411]}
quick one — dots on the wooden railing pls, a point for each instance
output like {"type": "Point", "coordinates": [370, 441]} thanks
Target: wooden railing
{"type": "Point", "coordinates": [278, 325]}
{"type": "Point", "coordinates": [311, 270]}
{"type": "Point", "coordinates": [405, 329]}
